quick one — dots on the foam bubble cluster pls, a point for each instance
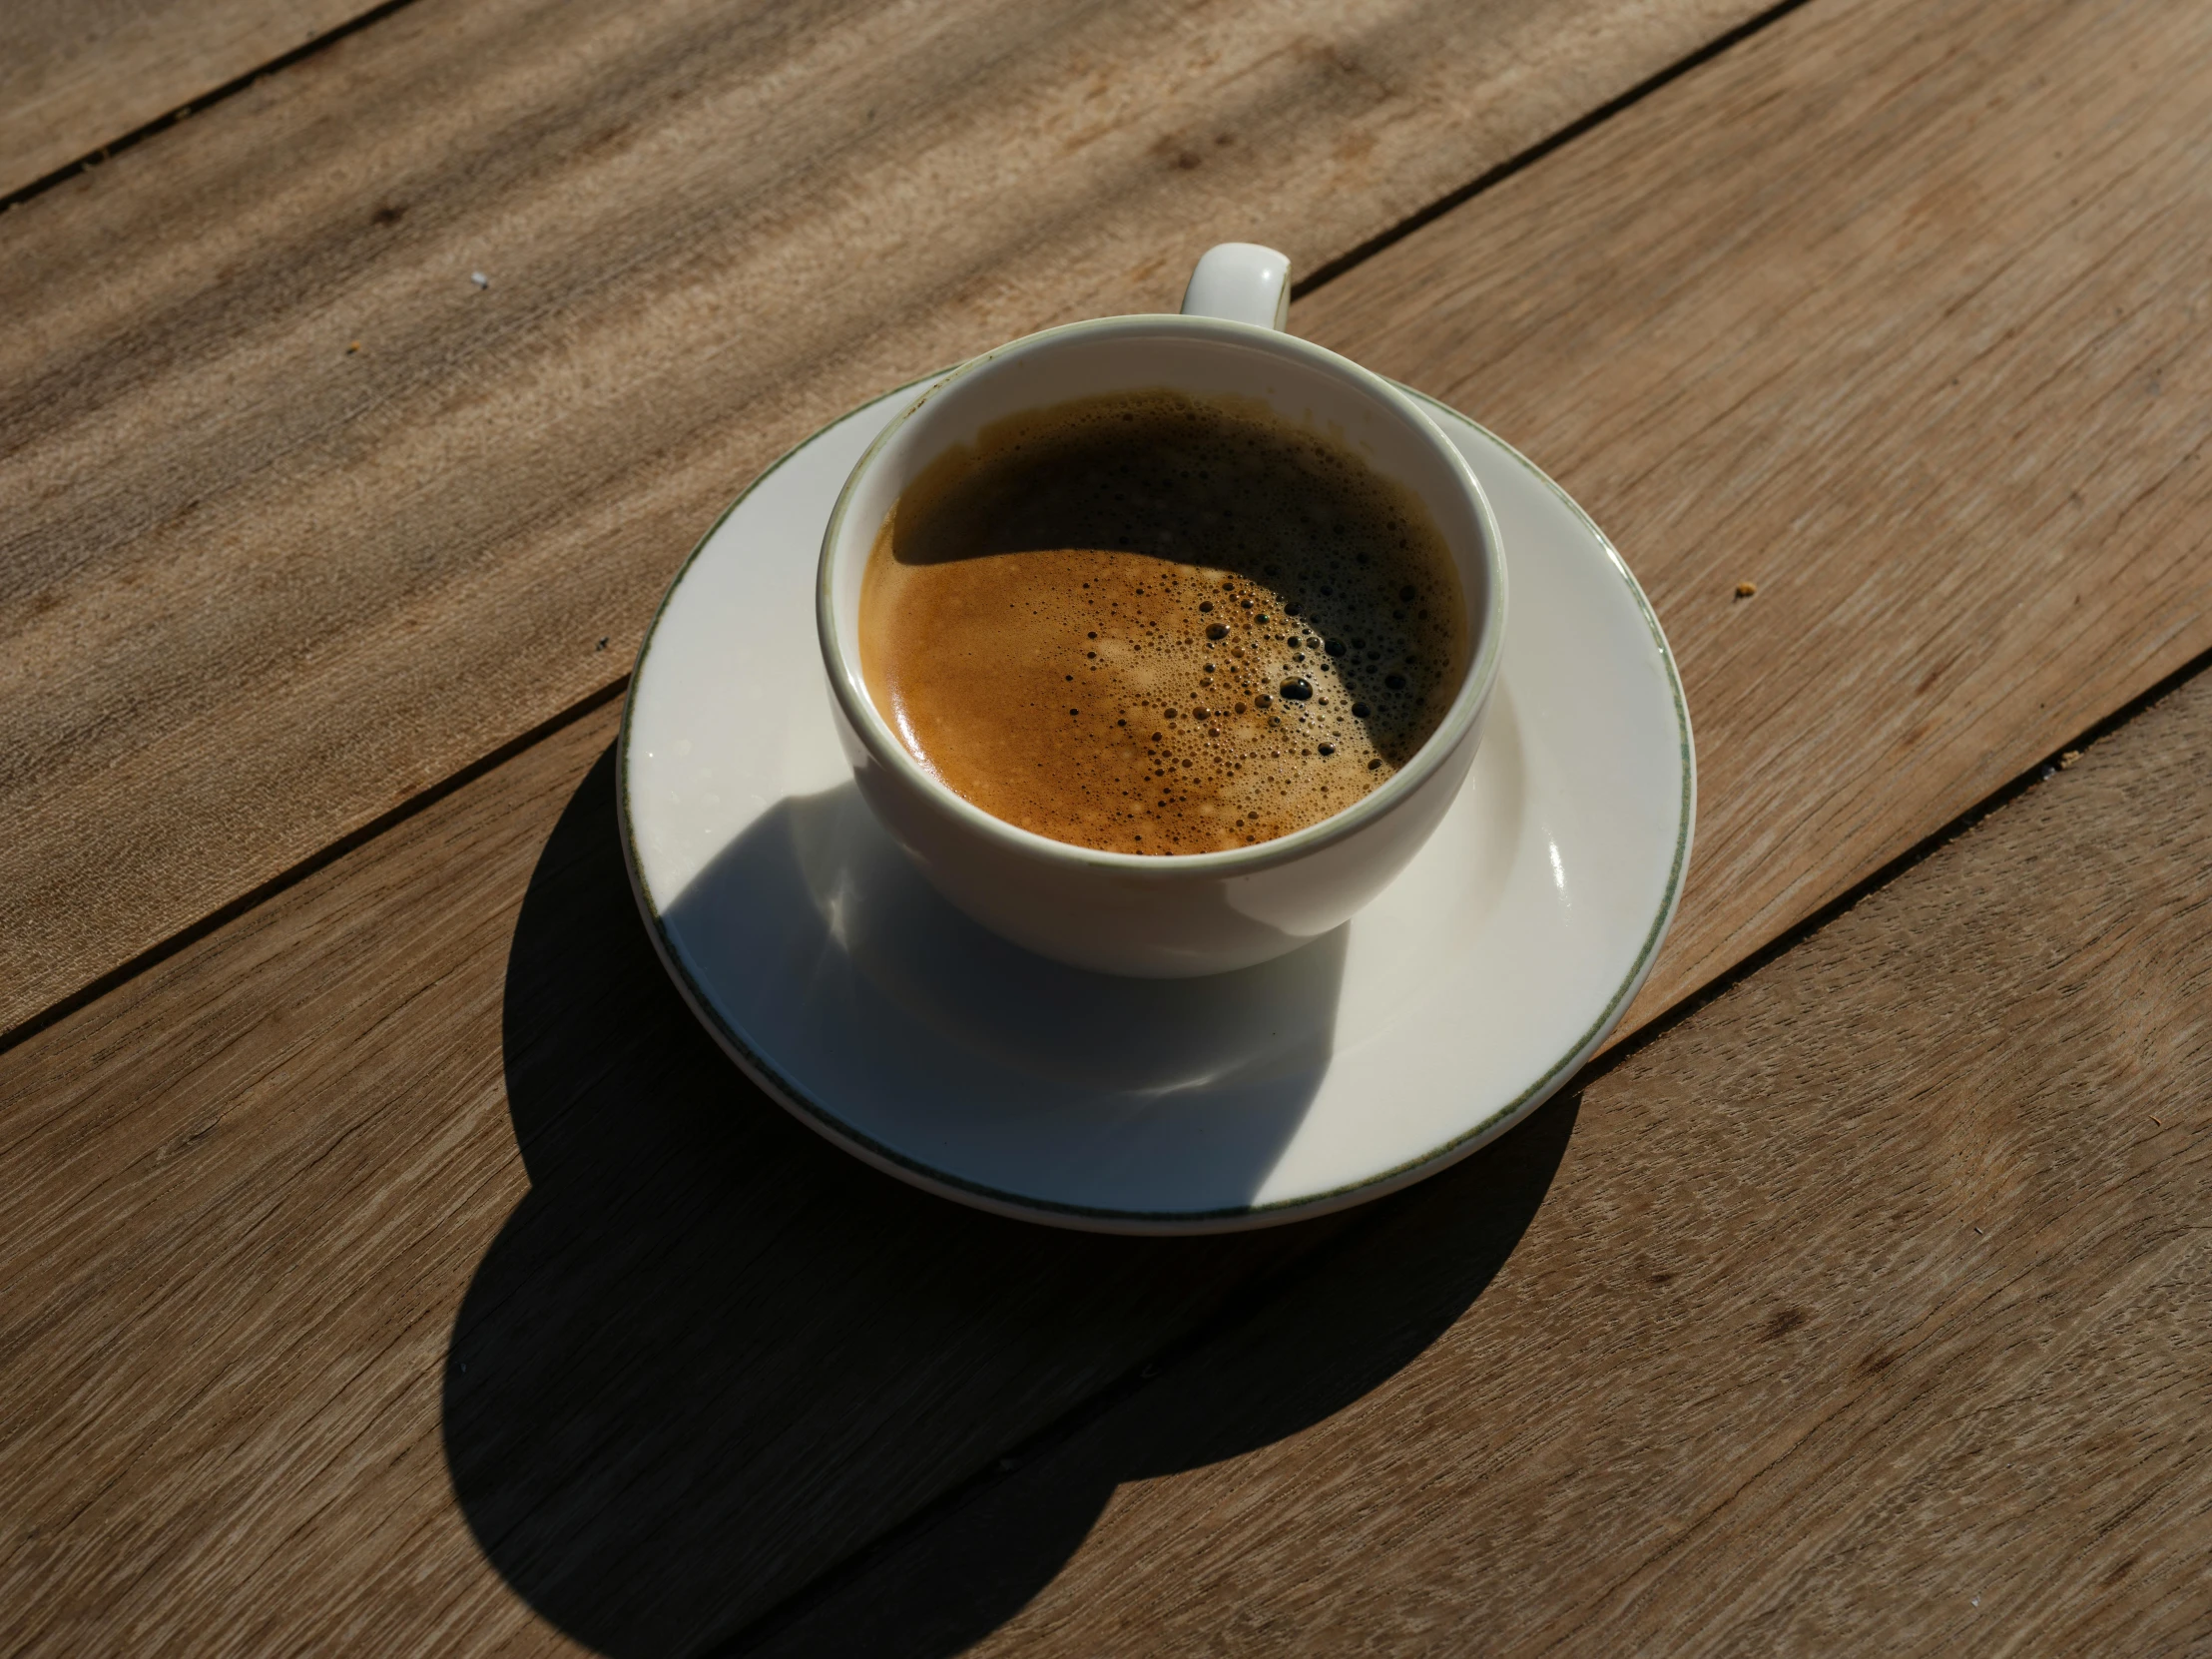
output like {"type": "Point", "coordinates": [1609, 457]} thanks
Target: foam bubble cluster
{"type": "Point", "coordinates": [1151, 623]}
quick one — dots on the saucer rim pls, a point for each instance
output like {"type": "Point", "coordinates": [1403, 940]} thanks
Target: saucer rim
{"type": "Point", "coordinates": [1226, 1219]}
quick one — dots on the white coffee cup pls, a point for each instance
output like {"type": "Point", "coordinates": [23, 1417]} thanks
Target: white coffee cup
{"type": "Point", "coordinates": [1189, 914]}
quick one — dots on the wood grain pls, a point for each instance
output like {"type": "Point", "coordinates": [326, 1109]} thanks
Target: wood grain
{"type": "Point", "coordinates": [79, 74]}
{"type": "Point", "coordinates": [397, 1266]}
{"type": "Point", "coordinates": [256, 586]}
{"type": "Point", "coordinates": [401, 1268]}
{"type": "Point", "coordinates": [1865, 1313]}
{"type": "Point", "coordinates": [1892, 313]}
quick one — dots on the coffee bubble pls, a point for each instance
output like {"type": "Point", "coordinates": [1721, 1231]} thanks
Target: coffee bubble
{"type": "Point", "coordinates": [1107, 526]}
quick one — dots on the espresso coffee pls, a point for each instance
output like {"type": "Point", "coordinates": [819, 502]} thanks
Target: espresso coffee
{"type": "Point", "coordinates": [1160, 624]}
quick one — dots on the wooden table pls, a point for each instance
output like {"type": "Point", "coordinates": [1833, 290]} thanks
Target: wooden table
{"type": "Point", "coordinates": [388, 1264]}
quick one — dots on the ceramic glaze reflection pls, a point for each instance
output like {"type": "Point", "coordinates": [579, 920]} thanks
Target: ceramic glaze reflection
{"type": "Point", "coordinates": [1468, 992]}
{"type": "Point", "coordinates": [813, 922]}
{"type": "Point", "coordinates": [1263, 1034]}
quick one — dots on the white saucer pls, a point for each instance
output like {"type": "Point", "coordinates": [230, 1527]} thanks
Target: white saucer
{"type": "Point", "coordinates": [1436, 1018]}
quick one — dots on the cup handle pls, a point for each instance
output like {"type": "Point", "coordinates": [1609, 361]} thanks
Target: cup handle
{"type": "Point", "coordinates": [1241, 282]}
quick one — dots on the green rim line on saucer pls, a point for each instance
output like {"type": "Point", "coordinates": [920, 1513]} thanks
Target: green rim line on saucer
{"type": "Point", "coordinates": [1036, 1207]}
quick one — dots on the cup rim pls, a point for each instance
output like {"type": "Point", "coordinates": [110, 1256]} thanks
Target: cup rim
{"type": "Point", "coordinates": [848, 686]}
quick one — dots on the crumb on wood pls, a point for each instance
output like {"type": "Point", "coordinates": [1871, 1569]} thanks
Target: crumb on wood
{"type": "Point", "coordinates": [2068, 757]}
{"type": "Point", "coordinates": [479, 278]}
{"type": "Point", "coordinates": [352, 347]}
{"type": "Point", "coordinates": [1743, 590]}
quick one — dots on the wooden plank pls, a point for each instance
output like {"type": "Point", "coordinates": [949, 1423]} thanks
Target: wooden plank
{"type": "Point", "coordinates": [420, 1184]}
{"type": "Point", "coordinates": [1864, 1314]}
{"type": "Point", "coordinates": [1891, 312]}
{"type": "Point", "coordinates": [706, 229]}
{"type": "Point", "coordinates": [79, 74]}
{"type": "Point", "coordinates": [250, 1193]}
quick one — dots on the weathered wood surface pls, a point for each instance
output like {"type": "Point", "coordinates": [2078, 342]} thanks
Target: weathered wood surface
{"type": "Point", "coordinates": [76, 75]}
{"type": "Point", "coordinates": [418, 1183]}
{"type": "Point", "coordinates": [1891, 310]}
{"type": "Point", "coordinates": [256, 586]}
{"type": "Point", "coordinates": [1865, 1313]}
{"type": "Point", "coordinates": [279, 1288]}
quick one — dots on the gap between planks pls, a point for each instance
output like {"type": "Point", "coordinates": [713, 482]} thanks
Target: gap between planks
{"type": "Point", "coordinates": [1625, 1049]}
{"type": "Point", "coordinates": [1311, 283]}
{"type": "Point", "coordinates": [159, 80]}
{"type": "Point", "coordinates": [411, 549]}
{"type": "Point", "coordinates": [1327, 271]}
{"type": "Point", "coordinates": [1861, 1315]}
{"type": "Point", "coordinates": [220, 1140]}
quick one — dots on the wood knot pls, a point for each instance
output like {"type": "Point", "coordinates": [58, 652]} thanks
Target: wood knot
{"type": "Point", "coordinates": [1784, 1321]}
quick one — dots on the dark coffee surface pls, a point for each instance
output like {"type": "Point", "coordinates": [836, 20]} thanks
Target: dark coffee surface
{"type": "Point", "coordinates": [1151, 623]}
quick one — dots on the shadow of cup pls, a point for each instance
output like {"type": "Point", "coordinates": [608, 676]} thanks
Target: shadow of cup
{"type": "Point", "coordinates": [938, 1041]}
{"type": "Point", "coordinates": [710, 1356]}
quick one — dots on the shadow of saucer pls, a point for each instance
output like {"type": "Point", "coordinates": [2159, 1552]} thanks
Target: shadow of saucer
{"type": "Point", "coordinates": [710, 1356]}
{"type": "Point", "coordinates": [1332, 1329]}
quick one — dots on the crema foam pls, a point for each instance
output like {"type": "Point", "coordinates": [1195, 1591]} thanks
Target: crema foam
{"type": "Point", "coordinates": [1156, 623]}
